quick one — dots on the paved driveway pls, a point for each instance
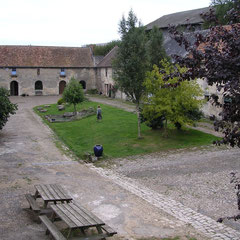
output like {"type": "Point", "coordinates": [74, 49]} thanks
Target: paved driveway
{"type": "Point", "coordinates": [28, 156]}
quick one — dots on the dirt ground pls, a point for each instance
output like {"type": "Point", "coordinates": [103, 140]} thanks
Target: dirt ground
{"type": "Point", "coordinates": [28, 156]}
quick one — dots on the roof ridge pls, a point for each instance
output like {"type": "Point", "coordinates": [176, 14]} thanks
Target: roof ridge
{"type": "Point", "coordinates": [185, 11]}
{"type": "Point", "coordinates": [40, 46]}
{"type": "Point", "coordinates": [107, 55]}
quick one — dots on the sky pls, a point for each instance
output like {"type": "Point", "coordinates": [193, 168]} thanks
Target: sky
{"type": "Point", "coordinates": [76, 23]}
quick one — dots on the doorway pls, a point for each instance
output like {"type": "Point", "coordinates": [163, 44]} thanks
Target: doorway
{"type": "Point", "coordinates": [14, 88]}
{"type": "Point", "coordinates": [62, 86]}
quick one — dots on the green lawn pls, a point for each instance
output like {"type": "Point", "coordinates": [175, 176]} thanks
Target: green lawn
{"type": "Point", "coordinates": [117, 132]}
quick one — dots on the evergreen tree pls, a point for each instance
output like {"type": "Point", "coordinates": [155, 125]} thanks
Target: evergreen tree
{"type": "Point", "coordinates": [155, 49]}
{"type": "Point", "coordinates": [131, 62]}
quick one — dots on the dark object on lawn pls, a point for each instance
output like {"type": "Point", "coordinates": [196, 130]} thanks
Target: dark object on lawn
{"type": "Point", "coordinates": [98, 150]}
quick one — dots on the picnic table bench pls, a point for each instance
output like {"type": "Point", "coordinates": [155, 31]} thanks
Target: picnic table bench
{"type": "Point", "coordinates": [75, 217]}
{"type": "Point", "coordinates": [48, 193]}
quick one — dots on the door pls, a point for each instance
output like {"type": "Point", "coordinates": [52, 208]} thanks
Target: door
{"type": "Point", "coordinates": [62, 86]}
{"type": "Point", "coordinates": [14, 88]}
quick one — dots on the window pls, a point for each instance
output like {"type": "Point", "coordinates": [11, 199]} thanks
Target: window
{"type": "Point", "coordinates": [62, 73]}
{"type": "Point", "coordinates": [106, 72]}
{"type": "Point", "coordinates": [38, 71]}
{"type": "Point", "coordinates": [38, 85]}
{"type": "Point", "coordinates": [14, 72]}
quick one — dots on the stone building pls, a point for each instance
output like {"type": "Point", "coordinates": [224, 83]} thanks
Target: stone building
{"type": "Point", "coordinates": [182, 19]}
{"type": "Point", "coordinates": [105, 80]}
{"type": "Point", "coordinates": [36, 70]}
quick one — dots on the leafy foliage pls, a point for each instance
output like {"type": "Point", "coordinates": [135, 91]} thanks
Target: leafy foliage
{"type": "Point", "coordinates": [216, 57]}
{"type": "Point", "coordinates": [102, 50]}
{"type": "Point", "coordinates": [223, 12]}
{"type": "Point", "coordinates": [6, 107]}
{"type": "Point", "coordinates": [60, 101]}
{"type": "Point", "coordinates": [170, 97]}
{"type": "Point", "coordinates": [73, 93]}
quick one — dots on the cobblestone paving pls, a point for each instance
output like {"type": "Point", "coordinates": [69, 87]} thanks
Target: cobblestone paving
{"type": "Point", "coordinates": [202, 223]}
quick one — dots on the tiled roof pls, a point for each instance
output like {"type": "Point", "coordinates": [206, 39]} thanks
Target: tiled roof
{"type": "Point", "coordinates": [40, 56]}
{"type": "Point", "coordinates": [107, 60]}
{"type": "Point", "coordinates": [179, 18]}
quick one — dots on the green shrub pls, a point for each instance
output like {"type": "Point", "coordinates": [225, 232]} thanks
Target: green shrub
{"type": "Point", "coordinates": [60, 101]}
{"type": "Point", "coordinates": [6, 107]}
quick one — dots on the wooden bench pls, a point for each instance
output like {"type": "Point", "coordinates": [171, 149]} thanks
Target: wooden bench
{"type": "Point", "coordinates": [32, 202]}
{"type": "Point", "coordinates": [52, 228]}
{"type": "Point", "coordinates": [110, 232]}
{"type": "Point", "coordinates": [94, 237]}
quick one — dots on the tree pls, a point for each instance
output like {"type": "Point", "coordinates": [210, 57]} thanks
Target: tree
{"type": "Point", "coordinates": [73, 93]}
{"type": "Point", "coordinates": [222, 13]}
{"type": "Point", "coordinates": [155, 50]}
{"type": "Point", "coordinates": [131, 62]}
{"type": "Point", "coordinates": [170, 98]}
{"type": "Point", "coordinates": [216, 57]}
{"type": "Point", "coordinates": [6, 107]}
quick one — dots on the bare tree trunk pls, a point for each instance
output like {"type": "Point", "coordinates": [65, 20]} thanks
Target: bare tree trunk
{"type": "Point", "coordinates": [139, 121]}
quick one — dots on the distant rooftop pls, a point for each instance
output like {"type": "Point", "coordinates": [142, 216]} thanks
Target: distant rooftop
{"type": "Point", "coordinates": [179, 18]}
{"type": "Point", "coordinates": [107, 60]}
{"type": "Point", "coordinates": [41, 56]}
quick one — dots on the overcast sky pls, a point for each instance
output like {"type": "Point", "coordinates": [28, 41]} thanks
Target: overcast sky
{"type": "Point", "coordinates": [77, 22]}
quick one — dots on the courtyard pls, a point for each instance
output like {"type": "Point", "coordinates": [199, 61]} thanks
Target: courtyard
{"type": "Point", "coordinates": [159, 195]}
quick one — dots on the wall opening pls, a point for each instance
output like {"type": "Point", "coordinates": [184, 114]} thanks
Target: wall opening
{"type": "Point", "coordinates": [38, 88]}
{"type": "Point", "coordinates": [83, 83]}
{"type": "Point", "coordinates": [62, 86]}
{"type": "Point", "coordinates": [14, 88]}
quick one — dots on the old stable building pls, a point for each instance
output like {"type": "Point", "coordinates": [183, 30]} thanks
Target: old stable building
{"type": "Point", "coordinates": [35, 70]}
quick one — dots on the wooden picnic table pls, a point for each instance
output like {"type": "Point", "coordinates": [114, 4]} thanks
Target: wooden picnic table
{"type": "Point", "coordinates": [76, 217]}
{"type": "Point", "coordinates": [51, 193]}
{"type": "Point", "coordinates": [48, 193]}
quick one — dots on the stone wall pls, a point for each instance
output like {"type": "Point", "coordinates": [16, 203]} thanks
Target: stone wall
{"type": "Point", "coordinates": [208, 108]}
{"type": "Point", "coordinates": [50, 78]}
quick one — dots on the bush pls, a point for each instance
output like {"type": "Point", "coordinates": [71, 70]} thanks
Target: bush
{"type": "Point", "coordinates": [60, 101]}
{"type": "Point", "coordinates": [153, 121]}
{"type": "Point", "coordinates": [6, 107]}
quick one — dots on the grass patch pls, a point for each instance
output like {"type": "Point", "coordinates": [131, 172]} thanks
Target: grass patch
{"type": "Point", "coordinates": [117, 132]}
